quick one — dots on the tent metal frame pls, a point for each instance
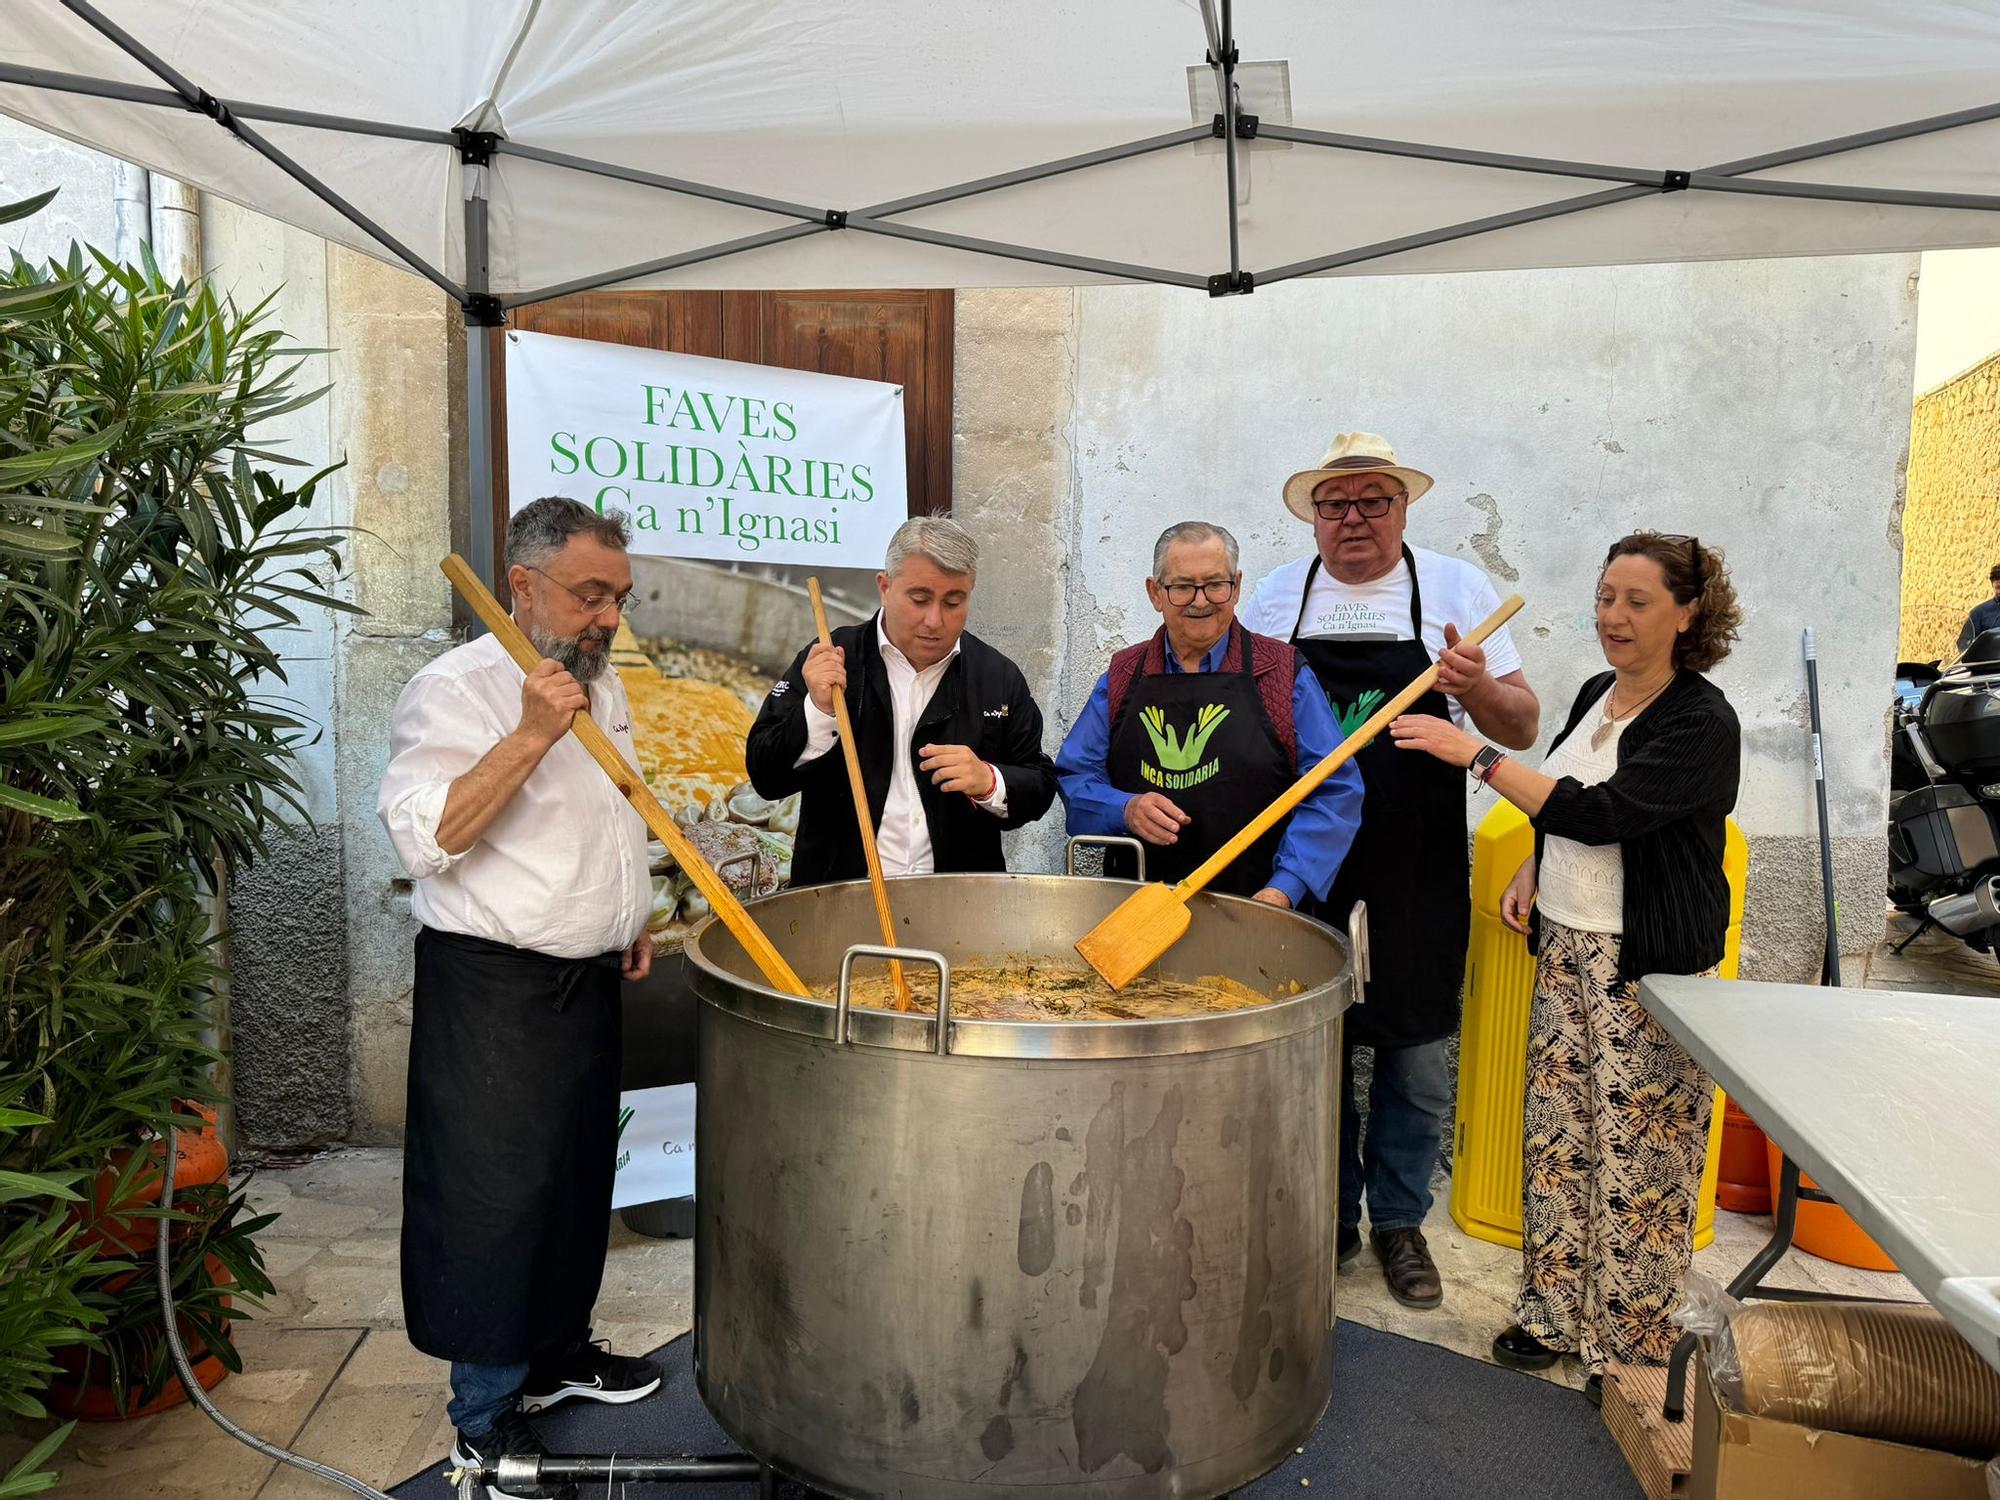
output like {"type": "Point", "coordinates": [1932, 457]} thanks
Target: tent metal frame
{"type": "Point", "coordinates": [483, 308]}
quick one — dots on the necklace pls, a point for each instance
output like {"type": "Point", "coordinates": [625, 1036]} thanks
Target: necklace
{"type": "Point", "coordinates": [1611, 721]}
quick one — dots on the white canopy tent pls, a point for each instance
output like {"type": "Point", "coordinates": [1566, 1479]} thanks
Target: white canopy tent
{"type": "Point", "coordinates": [517, 150]}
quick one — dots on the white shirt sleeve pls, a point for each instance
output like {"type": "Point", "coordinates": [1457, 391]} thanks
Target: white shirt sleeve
{"type": "Point", "coordinates": [436, 735]}
{"type": "Point", "coordinates": [1502, 655]}
{"type": "Point", "coordinates": [996, 803]}
{"type": "Point", "coordinates": [822, 729]}
{"type": "Point", "coordinates": [1255, 615]}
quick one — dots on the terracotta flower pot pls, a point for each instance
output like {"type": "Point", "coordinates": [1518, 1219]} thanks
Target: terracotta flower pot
{"type": "Point", "coordinates": [199, 1159]}
{"type": "Point", "coordinates": [89, 1396]}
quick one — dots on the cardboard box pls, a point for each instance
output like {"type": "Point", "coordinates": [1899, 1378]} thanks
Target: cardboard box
{"type": "Point", "coordinates": [1738, 1457]}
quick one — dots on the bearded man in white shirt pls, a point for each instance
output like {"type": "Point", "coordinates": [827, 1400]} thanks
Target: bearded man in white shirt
{"type": "Point", "coordinates": [948, 735]}
{"type": "Point", "coordinates": [531, 884]}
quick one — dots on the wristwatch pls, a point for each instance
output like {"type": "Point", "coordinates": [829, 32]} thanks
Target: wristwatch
{"type": "Point", "coordinates": [1483, 763]}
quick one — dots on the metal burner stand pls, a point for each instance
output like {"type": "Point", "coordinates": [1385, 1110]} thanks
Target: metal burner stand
{"type": "Point", "coordinates": [546, 1476]}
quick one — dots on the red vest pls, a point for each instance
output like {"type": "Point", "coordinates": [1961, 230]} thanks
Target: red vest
{"type": "Point", "coordinates": [1274, 664]}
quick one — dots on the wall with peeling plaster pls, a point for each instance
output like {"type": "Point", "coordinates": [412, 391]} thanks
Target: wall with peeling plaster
{"type": "Point", "coordinates": [1761, 405]}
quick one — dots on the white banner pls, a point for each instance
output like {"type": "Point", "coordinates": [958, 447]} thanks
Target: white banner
{"type": "Point", "coordinates": [708, 457]}
{"type": "Point", "coordinates": [655, 1145]}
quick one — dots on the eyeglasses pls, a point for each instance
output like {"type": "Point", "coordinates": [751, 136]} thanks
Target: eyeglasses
{"type": "Point", "coordinates": [1373, 507]}
{"type": "Point", "coordinates": [1694, 558]}
{"type": "Point", "coordinates": [594, 603]}
{"type": "Point", "coordinates": [1215, 592]}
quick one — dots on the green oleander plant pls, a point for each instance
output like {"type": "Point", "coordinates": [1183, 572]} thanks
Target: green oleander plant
{"type": "Point", "coordinates": [149, 552]}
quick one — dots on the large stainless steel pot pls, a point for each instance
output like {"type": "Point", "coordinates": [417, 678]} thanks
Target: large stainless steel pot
{"type": "Point", "coordinates": [1083, 1260]}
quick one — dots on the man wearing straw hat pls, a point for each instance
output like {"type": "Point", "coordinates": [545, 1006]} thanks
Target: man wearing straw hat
{"type": "Point", "coordinates": [1370, 613]}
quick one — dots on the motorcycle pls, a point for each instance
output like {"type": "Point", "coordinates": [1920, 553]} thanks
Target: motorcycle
{"type": "Point", "coordinates": [1944, 796]}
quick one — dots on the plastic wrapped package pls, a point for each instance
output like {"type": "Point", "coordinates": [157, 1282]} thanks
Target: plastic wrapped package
{"type": "Point", "coordinates": [1897, 1372]}
{"type": "Point", "coordinates": [1706, 1314]}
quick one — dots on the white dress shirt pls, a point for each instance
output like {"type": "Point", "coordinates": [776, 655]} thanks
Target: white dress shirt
{"type": "Point", "coordinates": [562, 869]}
{"type": "Point", "coordinates": [904, 838]}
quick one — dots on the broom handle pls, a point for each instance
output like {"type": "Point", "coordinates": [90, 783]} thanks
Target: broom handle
{"type": "Point", "coordinates": [876, 884]}
{"type": "Point", "coordinates": [632, 787]}
{"type": "Point", "coordinates": [1341, 754]}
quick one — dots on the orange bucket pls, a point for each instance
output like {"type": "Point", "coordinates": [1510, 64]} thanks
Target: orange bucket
{"type": "Point", "coordinates": [1826, 1230]}
{"type": "Point", "coordinates": [1743, 1182]}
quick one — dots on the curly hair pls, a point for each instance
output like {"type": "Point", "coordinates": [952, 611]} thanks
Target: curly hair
{"type": "Point", "coordinates": [1696, 575]}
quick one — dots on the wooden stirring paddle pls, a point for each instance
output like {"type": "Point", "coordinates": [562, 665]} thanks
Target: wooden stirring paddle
{"type": "Point", "coordinates": [1154, 917]}
{"type": "Point", "coordinates": [632, 787]}
{"type": "Point", "coordinates": [859, 788]}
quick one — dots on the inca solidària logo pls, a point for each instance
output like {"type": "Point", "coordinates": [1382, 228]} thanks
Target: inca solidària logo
{"type": "Point", "coordinates": [1180, 759]}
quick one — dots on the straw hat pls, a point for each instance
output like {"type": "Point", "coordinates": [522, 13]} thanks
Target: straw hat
{"type": "Point", "coordinates": [1351, 453]}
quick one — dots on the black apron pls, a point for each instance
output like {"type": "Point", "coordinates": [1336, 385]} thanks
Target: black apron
{"type": "Point", "coordinates": [1236, 768]}
{"type": "Point", "coordinates": [509, 1149]}
{"type": "Point", "coordinates": [1409, 860]}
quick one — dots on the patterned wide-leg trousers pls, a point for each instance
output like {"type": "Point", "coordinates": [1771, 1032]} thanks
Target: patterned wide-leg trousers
{"type": "Point", "coordinates": [1614, 1139]}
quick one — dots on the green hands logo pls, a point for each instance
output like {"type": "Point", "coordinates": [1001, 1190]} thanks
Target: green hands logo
{"type": "Point", "coordinates": [1356, 713]}
{"type": "Point", "coordinates": [624, 1118]}
{"type": "Point", "coordinates": [1173, 755]}
{"type": "Point", "coordinates": [1180, 764]}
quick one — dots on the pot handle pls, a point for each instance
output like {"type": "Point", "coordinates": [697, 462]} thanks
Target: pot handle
{"type": "Point", "coordinates": [1104, 840]}
{"type": "Point", "coordinates": [843, 1005]}
{"type": "Point", "coordinates": [1358, 952]}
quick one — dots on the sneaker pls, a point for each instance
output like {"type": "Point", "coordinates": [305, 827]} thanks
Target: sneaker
{"type": "Point", "coordinates": [513, 1435]}
{"type": "Point", "coordinates": [591, 1372]}
{"type": "Point", "coordinates": [1408, 1268]}
{"type": "Point", "coordinates": [1347, 1243]}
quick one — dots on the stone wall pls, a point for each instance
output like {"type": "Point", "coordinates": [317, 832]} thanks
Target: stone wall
{"type": "Point", "coordinates": [1761, 405]}
{"type": "Point", "coordinates": [1951, 523]}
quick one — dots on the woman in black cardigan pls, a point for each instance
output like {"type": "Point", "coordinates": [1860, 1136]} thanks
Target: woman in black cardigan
{"type": "Point", "coordinates": [1626, 880]}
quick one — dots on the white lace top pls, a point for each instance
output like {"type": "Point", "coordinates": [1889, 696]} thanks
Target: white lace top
{"type": "Point", "coordinates": [1582, 886]}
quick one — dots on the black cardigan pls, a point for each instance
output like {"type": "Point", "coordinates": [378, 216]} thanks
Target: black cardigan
{"type": "Point", "coordinates": [1679, 763]}
{"type": "Point", "coordinates": [981, 701]}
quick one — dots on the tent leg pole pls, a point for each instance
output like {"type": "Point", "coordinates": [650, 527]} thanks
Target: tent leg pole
{"type": "Point", "coordinates": [482, 312]}
{"type": "Point", "coordinates": [479, 455]}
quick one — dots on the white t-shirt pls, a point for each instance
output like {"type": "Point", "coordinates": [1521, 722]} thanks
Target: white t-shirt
{"type": "Point", "coordinates": [1582, 886]}
{"type": "Point", "coordinates": [1453, 591]}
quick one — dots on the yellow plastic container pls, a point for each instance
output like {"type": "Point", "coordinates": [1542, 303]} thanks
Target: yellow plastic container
{"type": "Point", "coordinates": [1493, 1046]}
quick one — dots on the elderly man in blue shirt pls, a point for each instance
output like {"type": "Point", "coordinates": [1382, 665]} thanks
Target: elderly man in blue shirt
{"type": "Point", "coordinates": [1190, 734]}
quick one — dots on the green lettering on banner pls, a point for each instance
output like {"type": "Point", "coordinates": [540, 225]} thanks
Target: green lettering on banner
{"type": "Point", "coordinates": [590, 462]}
{"type": "Point", "coordinates": [612, 489]}
{"type": "Point", "coordinates": [745, 471]}
{"type": "Point", "coordinates": [690, 521]}
{"type": "Point", "coordinates": [654, 393]}
{"type": "Point", "coordinates": [864, 481]}
{"type": "Point", "coordinates": [555, 442]}
{"type": "Point", "coordinates": [781, 414]}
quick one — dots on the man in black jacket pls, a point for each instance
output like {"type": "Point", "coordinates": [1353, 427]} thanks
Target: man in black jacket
{"type": "Point", "coordinates": [949, 738]}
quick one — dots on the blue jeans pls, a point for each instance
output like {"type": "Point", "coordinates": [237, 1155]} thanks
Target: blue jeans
{"type": "Point", "coordinates": [1409, 1100]}
{"type": "Point", "coordinates": [479, 1393]}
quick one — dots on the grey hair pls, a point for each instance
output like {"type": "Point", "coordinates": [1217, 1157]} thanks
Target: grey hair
{"type": "Point", "coordinates": [941, 539]}
{"type": "Point", "coordinates": [542, 528]}
{"type": "Point", "coordinates": [1191, 531]}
